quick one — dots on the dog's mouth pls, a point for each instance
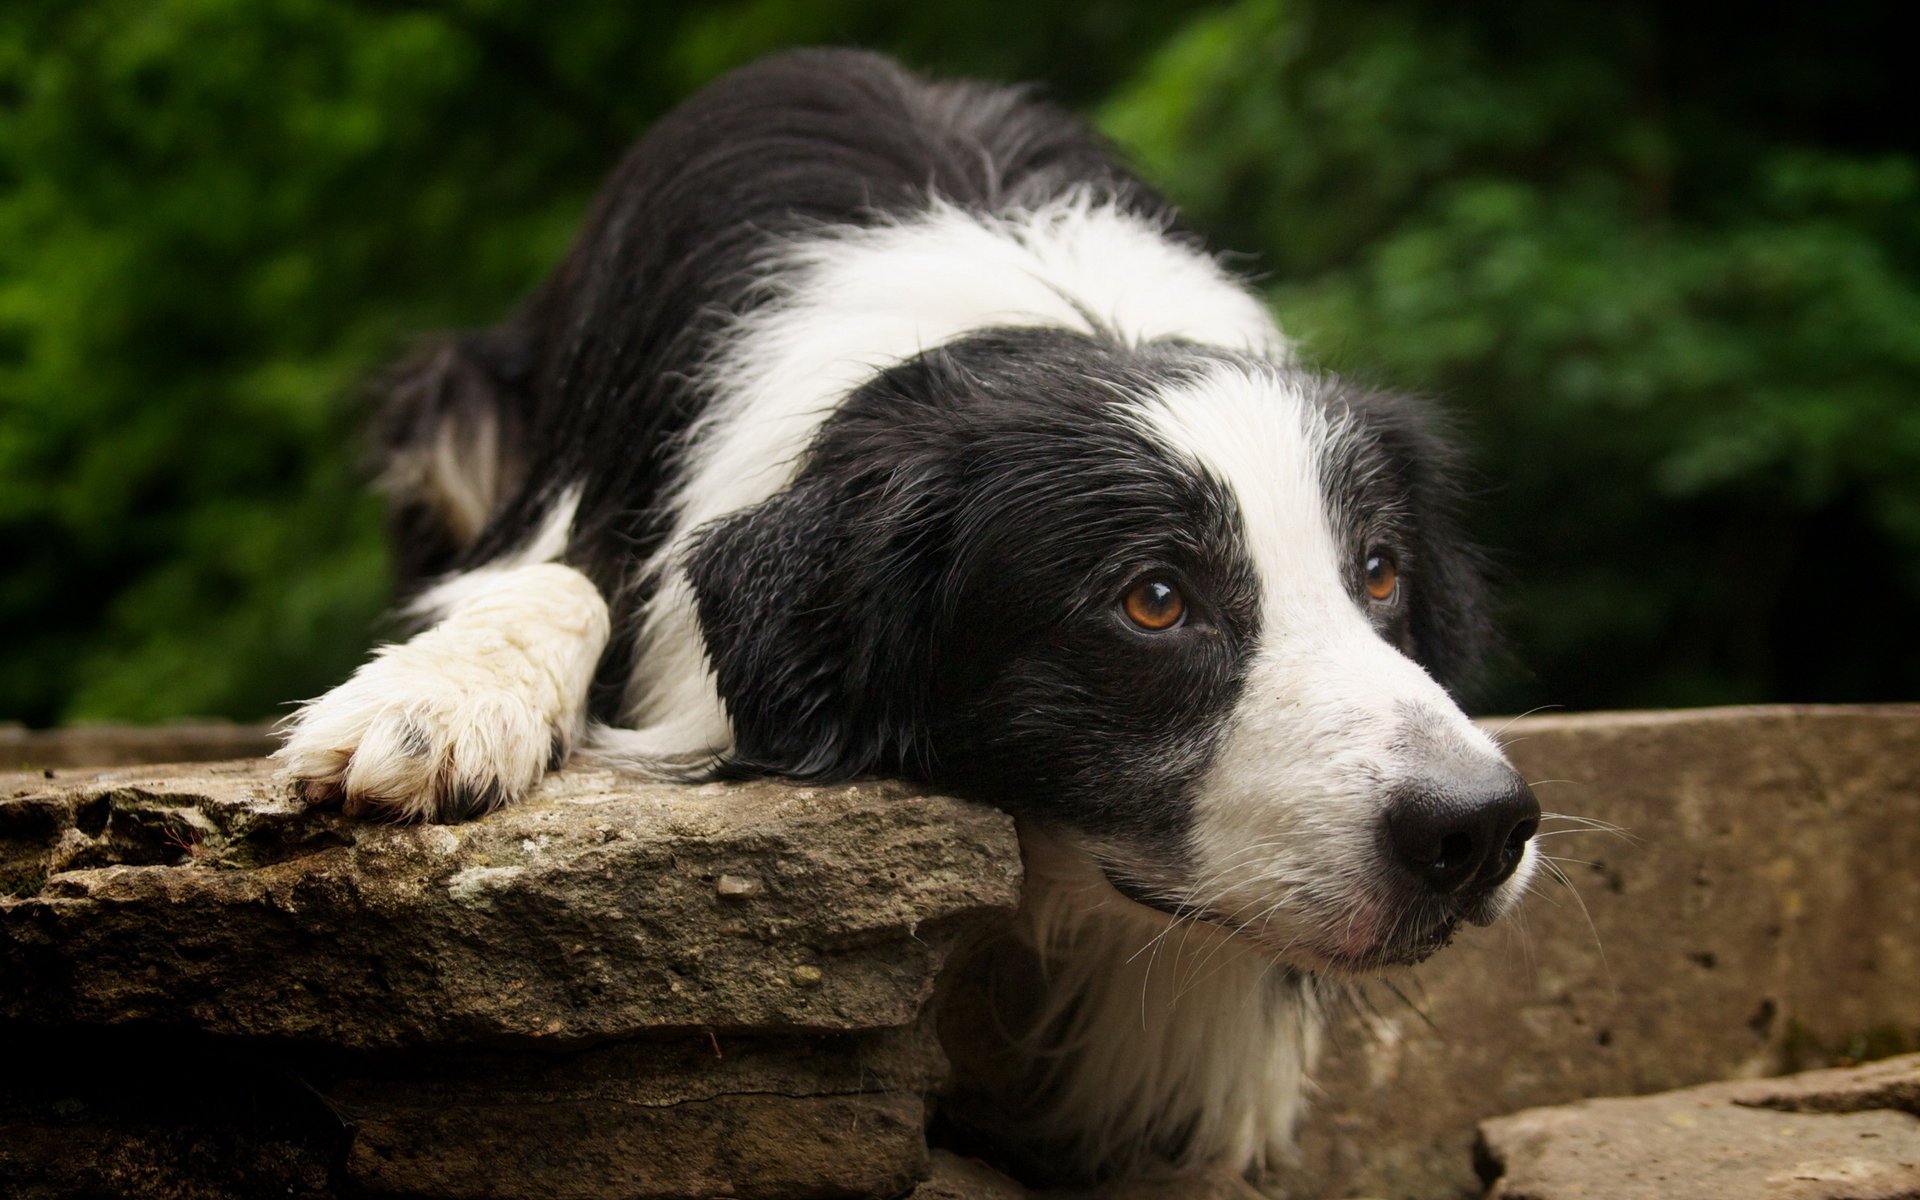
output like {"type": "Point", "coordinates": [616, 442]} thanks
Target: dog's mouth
{"type": "Point", "coordinates": [1375, 939]}
{"type": "Point", "coordinates": [1401, 950]}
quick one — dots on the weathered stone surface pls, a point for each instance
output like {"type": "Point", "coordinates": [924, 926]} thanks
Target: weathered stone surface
{"type": "Point", "coordinates": [202, 896]}
{"type": "Point", "coordinates": [1206, 1185]}
{"type": "Point", "coordinates": [619, 989]}
{"type": "Point", "coordinates": [24, 749]}
{"type": "Point", "coordinates": [152, 1160]}
{"type": "Point", "coordinates": [839, 1115]}
{"type": "Point", "coordinates": [1892, 1083]}
{"type": "Point", "coordinates": [624, 989]}
{"type": "Point", "coordinates": [954, 1177]}
{"type": "Point", "coordinates": [1758, 917]}
{"type": "Point", "coordinates": [106, 1113]}
{"type": "Point", "coordinates": [780, 1148]}
{"type": "Point", "coordinates": [1824, 1135]}
{"type": "Point", "coordinates": [128, 1113]}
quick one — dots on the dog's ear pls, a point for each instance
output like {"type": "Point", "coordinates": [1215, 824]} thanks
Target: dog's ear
{"type": "Point", "coordinates": [821, 611]}
{"type": "Point", "coordinates": [1450, 621]}
{"type": "Point", "coordinates": [449, 442]}
{"type": "Point", "coordinates": [1453, 635]}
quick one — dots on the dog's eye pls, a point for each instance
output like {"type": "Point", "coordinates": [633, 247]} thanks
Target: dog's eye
{"type": "Point", "coordinates": [1383, 575]}
{"type": "Point", "coordinates": [1155, 606]}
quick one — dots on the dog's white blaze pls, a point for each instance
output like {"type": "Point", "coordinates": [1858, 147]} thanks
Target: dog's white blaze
{"type": "Point", "coordinates": [851, 302]}
{"type": "Point", "coordinates": [1318, 738]}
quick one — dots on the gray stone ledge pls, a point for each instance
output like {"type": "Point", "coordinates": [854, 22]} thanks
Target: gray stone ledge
{"type": "Point", "coordinates": [628, 989]}
{"type": "Point", "coordinates": [23, 749]}
{"type": "Point", "coordinates": [605, 907]}
{"type": "Point", "coordinates": [1823, 1135]}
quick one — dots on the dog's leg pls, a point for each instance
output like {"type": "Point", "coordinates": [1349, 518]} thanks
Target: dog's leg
{"type": "Point", "coordinates": [466, 716]}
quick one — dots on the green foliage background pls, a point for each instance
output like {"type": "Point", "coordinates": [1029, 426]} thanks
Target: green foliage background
{"type": "Point", "coordinates": [1664, 265]}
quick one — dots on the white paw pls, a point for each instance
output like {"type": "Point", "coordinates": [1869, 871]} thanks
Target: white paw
{"type": "Point", "coordinates": [464, 717]}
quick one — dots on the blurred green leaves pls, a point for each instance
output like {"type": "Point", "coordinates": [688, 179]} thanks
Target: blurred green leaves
{"type": "Point", "coordinates": [1664, 268]}
{"type": "Point", "coordinates": [1684, 336]}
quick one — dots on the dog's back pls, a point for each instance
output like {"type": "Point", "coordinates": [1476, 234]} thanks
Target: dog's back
{"type": "Point", "coordinates": [481, 429]}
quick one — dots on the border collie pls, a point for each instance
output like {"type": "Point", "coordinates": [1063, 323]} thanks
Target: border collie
{"type": "Point", "coordinates": [878, 426]}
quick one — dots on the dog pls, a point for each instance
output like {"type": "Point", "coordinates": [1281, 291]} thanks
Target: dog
{"type": "Point", "coordinates": [880, 426]}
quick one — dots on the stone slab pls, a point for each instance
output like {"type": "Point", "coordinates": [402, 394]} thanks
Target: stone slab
{"type": "Point", "coordinates": [1757, 920]}
{"type": "Point", "coordinates": [773, 1117]}
{"type": "Point", "coordinates": [185, 1116]}
{"type": "Point", "coordinates": [604, 907]}
{"type": "Point", "coordinates": [952, 1176]}
{"type": "Point", "coordinates": [1825, 1135]}
{"type": "Point", "coordinates": [23, 749]}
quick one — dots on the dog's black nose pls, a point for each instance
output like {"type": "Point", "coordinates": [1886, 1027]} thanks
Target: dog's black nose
{"type": "Point", "coordinates": [1465, 832]}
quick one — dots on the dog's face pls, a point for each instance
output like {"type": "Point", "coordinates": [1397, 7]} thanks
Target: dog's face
{"type": "Point", "coordinates": [1186, 612]}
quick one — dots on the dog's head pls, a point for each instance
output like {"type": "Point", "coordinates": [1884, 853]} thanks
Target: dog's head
{"type": "Point", "coordinates": [1193, 614]}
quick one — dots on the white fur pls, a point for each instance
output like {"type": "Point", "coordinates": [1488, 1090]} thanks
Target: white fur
{"type": "Point", "coordinates": [475, 705]}
{"type": "Point", "coordinates": [1158, 1033]}
{"type": "Point", "coordinates": [850, 302]}
{"type": "Point", "coordinates": [1152, 1028]}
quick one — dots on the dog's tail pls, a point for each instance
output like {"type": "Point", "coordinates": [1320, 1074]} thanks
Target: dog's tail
{"type": "Point", "coordinates": [450, 444]}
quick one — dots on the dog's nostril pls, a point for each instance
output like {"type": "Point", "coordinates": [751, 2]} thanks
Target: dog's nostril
{"type": "Point", "coordinates": [1521, 835]}
{"type": "Point", "coordinates": [1465, 834]}
{"type": "Point", "coordinates": [1455, 848]}
{"type": "Point", "coordinates": [1514, 849]}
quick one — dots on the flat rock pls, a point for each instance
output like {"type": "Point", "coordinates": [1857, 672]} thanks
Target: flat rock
{"type": "Point", "coordinates": [617, 989]}
{"type": "Point", "coordinates": [954, 1177]}
{"type": "Point", "coordinates": [752, 1118]}
{"type": "Point", "coordinates": [1755, 917]}
{"type": "Point", "coordinates": [1824, 1135]}
{"type": "Point", "coordinates": [631, 989]}
{"type": "Point", "coordinates": [120, 745]}
{"type": "Point", "coordinates": [202, 896]}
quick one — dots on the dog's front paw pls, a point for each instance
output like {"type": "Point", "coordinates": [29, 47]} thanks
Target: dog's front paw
{"type": "Point", "coordinates": [465, 717]}
{"type": "Point", "coordinates": [401, 741]}
{"type": "Point", "coordinates": [395, 747]}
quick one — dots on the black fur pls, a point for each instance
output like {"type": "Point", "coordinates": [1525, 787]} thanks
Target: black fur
{"type": "Point", "coordinates": [1396, 481]}
{"type": "Point", "coordinates": [934, 595]}
{"type": "Point", "coordinates": [600, 355]}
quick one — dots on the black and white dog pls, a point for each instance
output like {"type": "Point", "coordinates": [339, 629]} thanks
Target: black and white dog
{"type": "Point", "coordinates": [885, 427]}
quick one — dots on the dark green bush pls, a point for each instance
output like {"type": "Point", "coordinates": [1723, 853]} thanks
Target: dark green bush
{"type": "Point", "coordinates": [1664, 266]}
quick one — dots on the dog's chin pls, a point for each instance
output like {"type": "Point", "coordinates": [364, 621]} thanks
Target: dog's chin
{"type": "Point", "coordinates": [1355, 951]}
{"type": "Point", "coordinates": [1410, 945]}
{"type": "Point", "coordinates": [1404, 950]}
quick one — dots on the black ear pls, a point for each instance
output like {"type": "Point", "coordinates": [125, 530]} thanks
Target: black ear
{"type": "Point", "coordinates": [1451, 623]}
{"type": "Point", "coordinates": [449, 439]}
{"type": "Point", "coordinates": [1453, 635]}
{"type": "Point", "coordinates": [821, 612]}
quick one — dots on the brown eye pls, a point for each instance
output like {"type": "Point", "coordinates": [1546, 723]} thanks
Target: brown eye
{"type": "Point", "coordinates": [1383, 575]}
{"type": "Point", "coordinates": [1155, 606]}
